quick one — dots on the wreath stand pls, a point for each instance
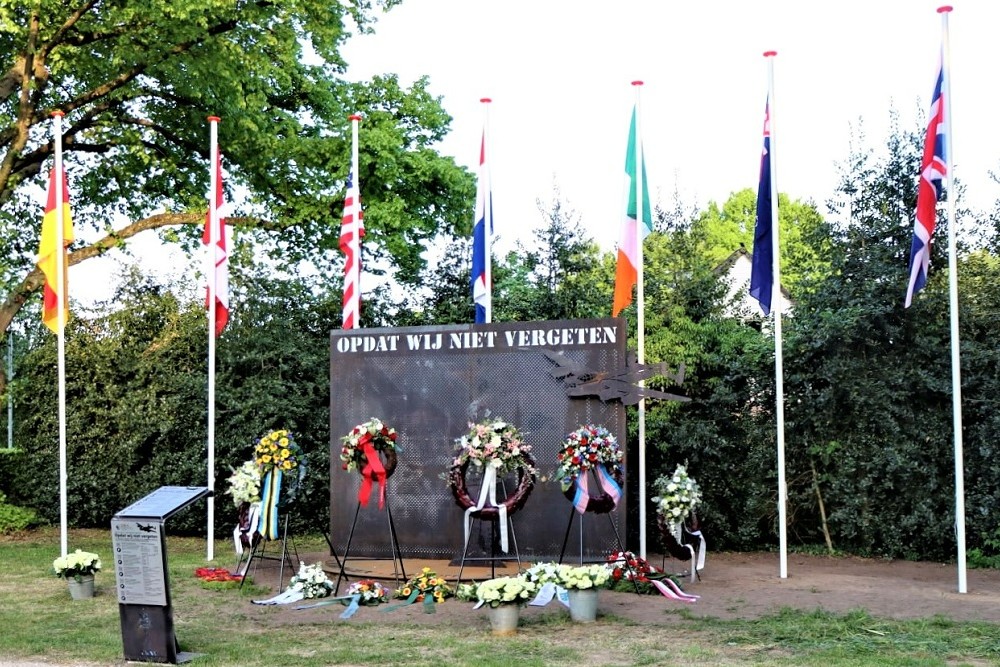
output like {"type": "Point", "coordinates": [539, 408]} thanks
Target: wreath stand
{"type": "Point", "coordinates": [614, 528]}
{"type": "Point", "coordinates": [672, 536]}
{"type": "Point", "coordinates": [398, 570]}
{"type": "Point", "coordinates": [494, 539]}
{"type": "Point", "coordinates": [257, 548]}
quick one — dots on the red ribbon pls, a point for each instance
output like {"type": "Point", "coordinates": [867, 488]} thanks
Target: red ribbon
{"type": "Point", "coordinates": [373, 468]}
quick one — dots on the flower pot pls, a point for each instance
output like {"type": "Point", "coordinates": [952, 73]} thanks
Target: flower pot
{"type": "Point", "coordinates": [503, 619]}
{"type": "Point", "coordinates": [83, 589]}
{"type": "Point", "coordinates": [583, 604]}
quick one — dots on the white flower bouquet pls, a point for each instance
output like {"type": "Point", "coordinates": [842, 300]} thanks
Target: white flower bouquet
{"type": "Point", "coordinates": [312, 581]}
{"type": "Point", "coordinates": [582, 577]}
{"type": "Point", "coordinates": [506, 590]}
{"type": "Point", "coordinates": [76, 565]}
{"type": "Point", "coordinates": [244, 484]}
{"type": "Point", "coordinates": [676, 495]}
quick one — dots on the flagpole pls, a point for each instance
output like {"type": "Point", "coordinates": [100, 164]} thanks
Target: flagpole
{"type": "Point", "coordinates": [488, 212]}
{"type": "Point", "coordinates": [779, 366]}
{"type": "Point", "coordinates": [640, 316]}
{"type": "Point", "coordinates": [61, 301]}
{"type": "Point", "coordinates": [213, 251]}
{"type": "Point", "coordinates": [956, 365]}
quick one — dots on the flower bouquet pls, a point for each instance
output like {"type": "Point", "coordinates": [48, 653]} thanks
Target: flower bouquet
{"type": "Point", "coordinates": [76, 565]}
{"type": "Point", "coordinates": [244, 484]}
{"type": "Point", "coordinates": [311, 581]}
{"type": "Point", "coordinates": [582, 577]}
{"type": "Point", "coordinates": [506, 590]}
{"type": "Point", "coordinates": [369, 592]}
{"type": "Point", "coordinates": [629, 572]}
{"type": "Point", "coordinates": [494, 443]}
{"type": "Point", "coordinates": [676, 496]}
{"type": "Point", "coordinates": [427, 583]}
{"type": "Point", "coordinates": [277, 451]}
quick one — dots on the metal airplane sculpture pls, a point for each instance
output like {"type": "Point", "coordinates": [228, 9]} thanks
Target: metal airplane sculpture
{"type": "Point", "coordinates": [619, 383]}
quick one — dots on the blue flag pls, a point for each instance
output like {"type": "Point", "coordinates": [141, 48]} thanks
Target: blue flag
{"type": "Point", "coordinates": [762, 264]}
{"type": "Point", "coordinates": [482, 232]}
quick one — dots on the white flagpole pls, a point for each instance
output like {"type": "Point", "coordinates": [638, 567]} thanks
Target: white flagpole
{"type": "Point", "coordinates": [956, 365]}
{"type": "Point", "coordinates": [61, 299]}
{"type": "Point", "coordinates": [640, 317]}
{"type": "Point", "coordinates": [779, 366]}
{"type": "Point", "coordinates": [213, 252]}
{"type": "Point", "coordinates": [488, 209]}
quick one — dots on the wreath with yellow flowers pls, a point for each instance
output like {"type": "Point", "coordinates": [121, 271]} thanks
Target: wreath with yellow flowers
{"type": "Point", "coordinates": [277, 451]}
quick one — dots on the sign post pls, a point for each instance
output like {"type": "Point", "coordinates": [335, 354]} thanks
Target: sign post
{"type": "Point", "coordinates": [141, 579]}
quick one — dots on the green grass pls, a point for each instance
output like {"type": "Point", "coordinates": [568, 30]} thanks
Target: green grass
{"type": "Point", "coordinates": [40, 622]}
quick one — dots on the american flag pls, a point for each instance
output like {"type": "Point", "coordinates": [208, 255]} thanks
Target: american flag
{"type": "Point", "coordinates": [933, 169]}
{"type": "Point", "coordinates": [352, 228]}
{"type": "Point", "coordinates": [762, 264]}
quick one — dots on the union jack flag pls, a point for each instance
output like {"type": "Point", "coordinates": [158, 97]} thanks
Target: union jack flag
{"type": "Point", "coordinates": [933, 170]}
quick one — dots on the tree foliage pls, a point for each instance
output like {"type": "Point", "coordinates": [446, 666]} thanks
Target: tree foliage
{"type": "Point", "coordinates": [136, 81]}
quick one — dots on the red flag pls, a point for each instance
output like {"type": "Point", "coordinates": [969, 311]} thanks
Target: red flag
{"type": "Point", "coordinates": [49, 254]}
{"type": "Point", "coordinates": [221, 258]}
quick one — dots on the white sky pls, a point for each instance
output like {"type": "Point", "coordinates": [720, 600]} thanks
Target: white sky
{"type": "Point", "coordinates": [559, 73]}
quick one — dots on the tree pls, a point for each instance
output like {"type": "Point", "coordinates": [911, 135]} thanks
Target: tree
{"type": "Point", "coordinates": [723, 230]}
{"type": "Point", "coordinates": [560, 277]}
{"type": "Point", "coordinates": [136, 82]}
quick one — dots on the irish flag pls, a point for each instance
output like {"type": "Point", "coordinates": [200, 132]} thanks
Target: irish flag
{"type": "Point", "coordinates": [632, 232]}
{"type": "Point", "coordinates": [49, 252]}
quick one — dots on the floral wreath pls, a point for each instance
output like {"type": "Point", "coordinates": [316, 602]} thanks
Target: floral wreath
{"type": "Point", "coordinates": [369, 592]}
{"type": "Point", "coordinates": [676, 496]}
{"type": "Point", "coordinates": [382, 439]}
{"type": "Point", "coordinates": [363, 450]}
{"type": "Point", "coordinates": [312, 581]}
{"type": "Point", "coordinates": [276, 454]}
{"type": "Point", "coordinates": [631, 572]}
{"type": "Point", "coordinates": [426, 583]}
{"type": "Point", "coordinates": [591, 448]}
{"type": "Point", "coordinates": [494, 443]}
{"type": "Point", "coordinates": [277, 451]}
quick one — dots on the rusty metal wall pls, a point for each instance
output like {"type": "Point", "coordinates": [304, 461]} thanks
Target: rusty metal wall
{"type": "Point", "coordinates": [429, 383]}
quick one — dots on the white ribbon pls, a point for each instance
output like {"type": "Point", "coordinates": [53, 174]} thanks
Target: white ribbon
{"type": "Point", "coordinates": [488, 493]}
{"type": "Point", "coordinates": [702, 548]}
{"type": "Point", "coordinates": [254, 519]}
{"type": "Point", "coordinates": [548, 591]}
{"type": "Point", "coordinates": [282, 598]}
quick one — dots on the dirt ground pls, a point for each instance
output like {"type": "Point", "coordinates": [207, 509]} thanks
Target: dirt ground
{"type": "Point", "coordinates": [732, 586]}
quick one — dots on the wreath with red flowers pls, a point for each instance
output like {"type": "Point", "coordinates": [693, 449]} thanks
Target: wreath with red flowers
{"type": "Point", "coordinates": [583, 450]}
{"type": "Point", "coordinates": [381, 437]}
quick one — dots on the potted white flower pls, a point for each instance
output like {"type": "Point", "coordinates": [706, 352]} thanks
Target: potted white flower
{"type": "Point", "coordinates": [504, 597]}
{"type": "Point", "coordinates": [78, 570]}
{"type": "Point", "coordinates": [582, 583]}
